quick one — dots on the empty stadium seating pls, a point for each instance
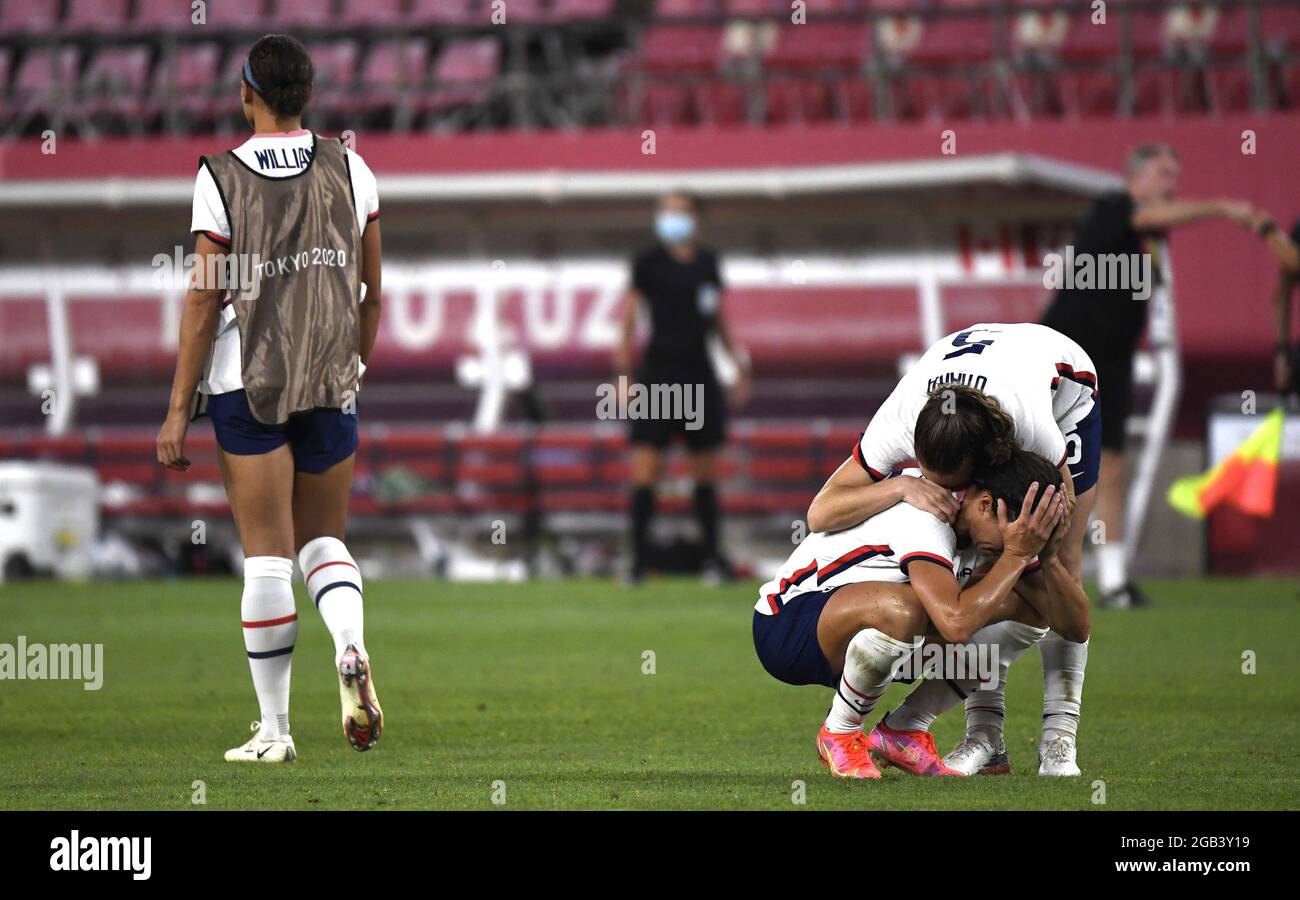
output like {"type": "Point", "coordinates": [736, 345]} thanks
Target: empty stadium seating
{"type": "Point", "coordinates": [767, 469]}
{"type": "Point", "coordinates": [136, 65]}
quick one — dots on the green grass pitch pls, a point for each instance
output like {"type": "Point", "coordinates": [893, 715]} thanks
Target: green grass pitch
{"type": "Point", "coordinates": [541, 687]}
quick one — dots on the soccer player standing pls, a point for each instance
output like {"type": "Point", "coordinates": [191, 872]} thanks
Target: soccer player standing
{"type": "Point", "coordinates": [680, 282]}
{"type": "Point", "coordinates": [276, 361]}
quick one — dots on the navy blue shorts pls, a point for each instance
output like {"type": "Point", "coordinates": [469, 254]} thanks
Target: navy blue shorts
{"type": "Point", "coordinates": [1083, 449]}
{"type": "Point", "coordinates": [320, 438]}
{"type": "Point", "coordinates": [787, 641]}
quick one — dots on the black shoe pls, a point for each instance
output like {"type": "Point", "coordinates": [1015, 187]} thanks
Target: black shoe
{"type": "Point", "coordinates": [1130, 596]}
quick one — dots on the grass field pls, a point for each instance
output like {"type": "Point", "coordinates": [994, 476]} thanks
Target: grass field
{"type": "Point", "coordinates": [541, 687]}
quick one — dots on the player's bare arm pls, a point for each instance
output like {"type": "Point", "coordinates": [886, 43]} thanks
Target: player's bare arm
{"type": "Point", "coordinates": [1164, 214]}
{"type": "Point", "coordinates": [957, 614]}
{"type": "Point", "coordinates": [739, 355]}
{"type": "Point", "coordinates": [199, 315]}
{"type": "Point", "coordinates": [371, 253]}
{"type": "Point", "coordinates": [850, 496]}
{"type": "Point", "coordinates": [1053, 592]}
{"type": "Point", "coordinates": [1278, 242]}
{"type": "Point", "coordinates": [1286, 283]}
{"type": "Point", "coordinates": [632, 301]}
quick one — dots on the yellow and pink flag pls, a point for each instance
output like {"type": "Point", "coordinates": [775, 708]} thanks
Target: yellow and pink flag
{"type": "Point", "coordinates": [1247, 479]}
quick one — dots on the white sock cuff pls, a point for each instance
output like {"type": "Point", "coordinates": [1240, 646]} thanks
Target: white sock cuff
{"type": "Point", "coordinates": [268, 567]}
{"type": "Point", "coordinates": [323, 551]}
{"type": "Point", "coordinates": [1054, 638]}
{"type": "Point", "coordinates": [880, 640]}
{"type": "Point", "coordinates": [1027, 634]}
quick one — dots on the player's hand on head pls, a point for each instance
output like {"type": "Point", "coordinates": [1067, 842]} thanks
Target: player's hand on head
{"type": "Point", "coordinates": [926, 495]}
{"type": "Point", "coordinates": [1026, 535]}
{"type": "Point", "coordinates": [1053, 545]}
{"type": "Point", "coordinates": [171, 442]}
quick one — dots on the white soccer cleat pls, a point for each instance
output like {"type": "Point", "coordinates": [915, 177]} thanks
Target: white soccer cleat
{"type": "Point", "coordinates": [363, 720]}
{"type": "Point", "coordinates": [976, 755]}
{"type": "Point", "coordinates": [260, 750]}
{"type": "Point", "coordinates": [1056, 756]}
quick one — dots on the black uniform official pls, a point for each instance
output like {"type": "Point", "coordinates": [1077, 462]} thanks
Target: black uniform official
{"type": "Point", "coordinates": [679, 282]}
{"type": "Point", "coordinates": [1108, 322]}
{"type": "Point", "coordinates": [683, 299]}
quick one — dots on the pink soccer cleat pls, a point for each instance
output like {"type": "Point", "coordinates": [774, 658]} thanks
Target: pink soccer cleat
{"type": "Point", "coordinates": [911, 751]}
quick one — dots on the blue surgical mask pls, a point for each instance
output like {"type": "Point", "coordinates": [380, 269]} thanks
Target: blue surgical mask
{"type": "Point", "coordinates": [674, 226]}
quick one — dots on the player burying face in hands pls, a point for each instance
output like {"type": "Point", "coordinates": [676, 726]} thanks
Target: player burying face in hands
{"type": "Point", "coordinates": [883, 587]}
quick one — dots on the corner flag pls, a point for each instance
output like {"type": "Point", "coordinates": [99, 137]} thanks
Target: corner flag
{"type": "Point", "coordinates": [1247, 479]}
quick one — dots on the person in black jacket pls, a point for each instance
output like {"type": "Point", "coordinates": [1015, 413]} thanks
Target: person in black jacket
{"type": "Point", "coordinates": [679, 282]}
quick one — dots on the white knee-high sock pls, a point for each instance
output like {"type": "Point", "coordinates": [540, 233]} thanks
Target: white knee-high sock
{"type": "Point", "coordinates": [935, 696]}
{"type": "Point", "coordinates": [1063, 666]}
{"type": "Point", "coordinates": [868, 669]}
{"type": "Point", "coordinates": [270, 630]}
{"type": "Point", "coordinates": [986, 710]}
{"type": "Point", "coordinates": [1112, 566]}
{"type": "Point", "coordinates": [334, 584]}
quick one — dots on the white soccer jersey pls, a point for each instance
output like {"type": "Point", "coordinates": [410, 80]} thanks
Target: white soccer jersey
{"type": "Point", "coordinates": [879, 549]}
{"type": "Point", "coordinates": [1045, 382]}
{"type": "Point", "coordinates": [275, 156]}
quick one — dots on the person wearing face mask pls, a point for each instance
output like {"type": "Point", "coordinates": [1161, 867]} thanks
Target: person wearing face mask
{"type": "Point", "coordinates": [679, 283]}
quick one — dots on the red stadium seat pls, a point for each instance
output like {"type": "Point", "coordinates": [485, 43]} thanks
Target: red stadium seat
{"type": "Point", "coordinates": [99, 16]}
{"type": "Point", "coordinates": [290, 14]}
{"type": "Point", "coordinates": [660, 105]}
{"type": "Point", "coordinates": [686, 9]}
{"type": "Point", "coordinates": [29, 17]}
{"type": "Point", "coordinates": [820, 45]}
{"type": "Point", "coordinates": [162, 16]}
{"type": "Point", "coordinates": [1279, 24]}
{"type": "Point", "coordinates": [392, 70]}
{"type": "Point", "coordinates": [740, 8]}
{"type": "Point", "coordinates": [185, 81]}
{"type": "Point", "coordinates": [243, 15]}
{"type": "Point", "coordinates": [855, 98]}
{"type": "Point", "coordinates": [679, 49]}
{"type": "Point", "coordinates": [336, 66]}
{"type": "Point", "coordinates": [446, 12]}
{"type": "Point", "coordinates": [803, 100]}
{"type": "Point", "coordinates": [115, 82]}
{"type": "Point", "coordinates": [581, 10]}
{"type": "Point", "coordinates": [719, 102]}
{"type": "Point", "coordinates": [463, 73]}
{"type": "Point", "coordinates": [525, 12]}
{"type": "Point", "coordinates": [372, 13]}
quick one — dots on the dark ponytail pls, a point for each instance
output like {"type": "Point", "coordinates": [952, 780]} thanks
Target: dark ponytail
{"type": "Point", "coordinates": [282, 74]}
{"type": "Point", "coordinates": [961, 424]}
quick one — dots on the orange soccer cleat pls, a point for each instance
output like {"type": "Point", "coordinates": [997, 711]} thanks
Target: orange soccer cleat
{"type": "Point", "coordinates": [845, 754]}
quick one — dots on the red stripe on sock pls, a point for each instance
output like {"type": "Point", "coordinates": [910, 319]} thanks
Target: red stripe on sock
{"type": "Point", "coordinates": [859, 693]}
{"type": "Point", "coordinates": [338, 562]}
{"type": "Point", "coordinates": [267, 623]}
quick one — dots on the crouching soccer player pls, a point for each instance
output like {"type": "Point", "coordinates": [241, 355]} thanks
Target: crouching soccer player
{"type": "Point", "coordinates": [848, 607]}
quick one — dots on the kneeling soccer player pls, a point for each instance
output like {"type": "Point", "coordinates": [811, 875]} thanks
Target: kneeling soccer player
{"type": "Point", "coordinates": [848, 607]}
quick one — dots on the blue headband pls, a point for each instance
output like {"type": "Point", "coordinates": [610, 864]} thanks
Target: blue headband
{"type": "Point", "coordinates": [248, 76]}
